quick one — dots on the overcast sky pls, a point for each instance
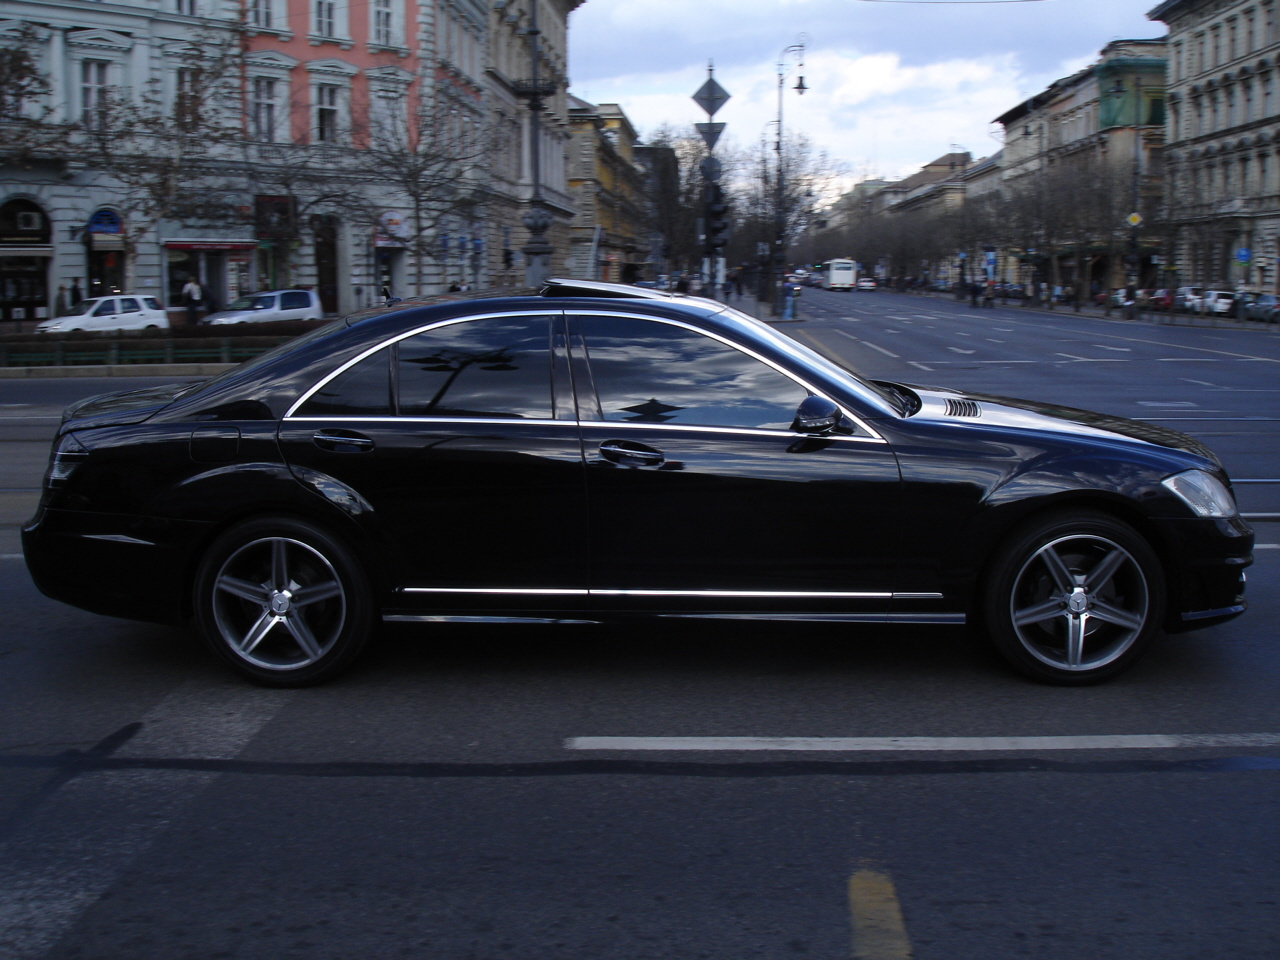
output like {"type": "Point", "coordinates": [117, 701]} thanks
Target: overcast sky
{"type": "Point", "coordinates": [891, 85]}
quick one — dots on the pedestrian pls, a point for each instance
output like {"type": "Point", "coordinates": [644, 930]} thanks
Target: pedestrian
{"type": "Point", "coordinates": [193, 297]}
{"type": "Point", "coordinates": [60, 302]}
{"type": "Point", "coordinates": [76, 295]}
{"type": "Point", "coordinates": [682, 284]}
{"type": "Point", "coordinates": [989, 295]}
{"type": "Point", "coordinates": [975, 289]}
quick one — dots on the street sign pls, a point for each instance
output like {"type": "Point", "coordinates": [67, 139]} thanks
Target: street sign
{"type": "Point", "coordinates": [1244, 254]}
{"type": "Point", "coordinates": [711, 169]}
{"type": "Point", "coordinates": [1134, 219]}
{"type": "Point", "coordinates": [711, 96]}
{"type": "Point", "coordinates": [710, 133]}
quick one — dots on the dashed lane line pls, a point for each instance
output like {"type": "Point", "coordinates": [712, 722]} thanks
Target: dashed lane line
{"type": "Point", "coordinates": [879, 932]}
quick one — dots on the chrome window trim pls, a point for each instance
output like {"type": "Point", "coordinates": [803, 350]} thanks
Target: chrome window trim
{"type": "Point", "coordinates": [353, 418]}
{"type": "Point", "coordinates": [749, 431]}
{"type": "Point", "coordinates": [288, 414]}
{"type": "Point", "coordinates": [606, 312]}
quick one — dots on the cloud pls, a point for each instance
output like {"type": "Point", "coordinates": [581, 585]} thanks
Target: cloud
{"type": "Point", "coordinates": [891, 86]}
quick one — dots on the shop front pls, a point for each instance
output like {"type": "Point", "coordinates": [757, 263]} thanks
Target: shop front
{"type": "Point", "coordinates": [25, 254]}
{"type": "Point", "coordinates": [223, 268]}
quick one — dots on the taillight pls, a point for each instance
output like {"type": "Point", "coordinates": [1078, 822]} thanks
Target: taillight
{"type": "Point", "coordinates": [68, 454]}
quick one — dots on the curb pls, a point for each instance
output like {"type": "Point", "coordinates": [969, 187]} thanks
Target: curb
{"type": "Point", "coordinates": [117, 370]}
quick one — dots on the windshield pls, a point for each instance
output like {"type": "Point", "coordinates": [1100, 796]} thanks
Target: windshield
{"type": "Point", "coordinates": [260, 359]}
{"type": "Point", "coordinates": [252, 303]}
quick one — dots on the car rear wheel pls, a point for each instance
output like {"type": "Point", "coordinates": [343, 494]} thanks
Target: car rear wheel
{"type": "Point", "coordinates": [283, 602]}
{"type": "Point", "coordinates": [1075, 598]}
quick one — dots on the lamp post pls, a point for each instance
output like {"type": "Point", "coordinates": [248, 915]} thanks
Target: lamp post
{"type": "Point", "coordinates": [1135, 218]}
{"type": "Point", "coordinates": [779, 260]}
{"type": "Point", "coordinates": [537, 250]}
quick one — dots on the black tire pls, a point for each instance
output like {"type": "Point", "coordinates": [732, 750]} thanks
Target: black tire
{"type": "Point", "coordinates": [1074, 598]}
{"type": "Point", "coordinates": [283, 602]}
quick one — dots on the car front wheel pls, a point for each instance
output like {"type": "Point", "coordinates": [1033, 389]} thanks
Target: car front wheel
{"type": "Point", "coordinates": [283, 602]}
{"type": "Point", "coordinates": [1075, 598]}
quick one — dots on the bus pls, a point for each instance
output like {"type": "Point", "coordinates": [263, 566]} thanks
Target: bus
{"type": "Point", "coordinates": [839, 275]}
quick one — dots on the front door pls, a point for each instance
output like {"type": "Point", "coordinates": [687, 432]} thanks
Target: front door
{"type": "Point", "coordinates": [700, 494]}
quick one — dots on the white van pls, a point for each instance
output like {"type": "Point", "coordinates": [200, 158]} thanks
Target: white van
{"type": "Point", "coordinates": [119, 312]}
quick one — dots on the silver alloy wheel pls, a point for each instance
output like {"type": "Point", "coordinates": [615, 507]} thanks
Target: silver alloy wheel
{"type": "Point", "coordinates": [278, 603]}
{"type": "Point", "coordinates": [1079, 602]}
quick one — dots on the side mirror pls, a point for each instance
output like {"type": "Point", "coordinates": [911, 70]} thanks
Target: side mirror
{"type": "Point", "coordinates": [816, 415]}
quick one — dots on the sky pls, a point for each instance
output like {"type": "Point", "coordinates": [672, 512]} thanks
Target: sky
{"type": "Point", "coordinates": [891, 85]}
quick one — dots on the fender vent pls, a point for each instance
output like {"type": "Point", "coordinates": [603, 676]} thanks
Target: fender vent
{"type": "Point", "coordinates": [963, 408]}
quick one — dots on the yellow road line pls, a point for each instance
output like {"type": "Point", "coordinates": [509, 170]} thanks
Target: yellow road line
{"type": "Point", "coordinates": [878, 930]}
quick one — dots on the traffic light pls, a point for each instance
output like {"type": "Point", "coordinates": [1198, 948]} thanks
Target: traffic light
{"type": "Point", "coordinates": [717, 217]}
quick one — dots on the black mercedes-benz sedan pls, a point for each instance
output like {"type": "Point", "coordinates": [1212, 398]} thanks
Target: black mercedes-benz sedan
{"type": "Point", "coordinates": [595, 451]}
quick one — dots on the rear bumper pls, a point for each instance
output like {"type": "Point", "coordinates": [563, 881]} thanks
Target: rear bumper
{"type": "Point", "coordinates": [113, 564]}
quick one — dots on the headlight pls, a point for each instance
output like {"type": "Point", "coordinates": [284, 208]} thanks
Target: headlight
{"type": "Point", "coordinates": [68, 453]}
{"type": "Point", "coordinates": [1204, 493]}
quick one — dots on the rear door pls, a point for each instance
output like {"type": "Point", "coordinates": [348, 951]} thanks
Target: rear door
{"type": "Point", "coordinates": [469, 465]}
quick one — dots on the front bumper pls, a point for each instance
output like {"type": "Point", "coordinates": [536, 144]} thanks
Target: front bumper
{"type": "Point", "coordinates": [1206, 581]}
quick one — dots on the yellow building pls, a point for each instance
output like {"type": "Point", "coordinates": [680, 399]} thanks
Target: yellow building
{"type": "Point", "coordinates": [610, 233]}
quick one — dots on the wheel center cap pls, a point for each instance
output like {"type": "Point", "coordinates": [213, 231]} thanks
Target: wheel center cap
{"type": "Point", "coordinates": [281, 601]}
{"type": "Point", "coordinates": [1078, 602]}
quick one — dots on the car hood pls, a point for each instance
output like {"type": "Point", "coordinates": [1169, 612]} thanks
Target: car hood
{"type": "Point", "coordinates": [955, 406]}
{"type": "Point", "coordinates": [128, 406]}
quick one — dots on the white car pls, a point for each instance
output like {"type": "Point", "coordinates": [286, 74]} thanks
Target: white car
{"type": "Point", "coordinates": [866, 283]}
{"type": "Point", "coordinates": [120, 312]}
{"type": "Point", "coordinates": [1217, 301]}
{"type": "Point", "coordinates": [268, 306]}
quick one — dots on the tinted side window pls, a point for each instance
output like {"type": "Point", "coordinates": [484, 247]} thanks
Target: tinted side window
{"type": "Point", "coordinates": [294, 300]}
{"type": "Point", "coordinates": [105, 308]}
{"type": "Point", "coordinates": [363, 390]}
{"type": "Point", "coordinates": [650, 372]}
{"type": "Point", "coordinates": [129, 305]}
{"type": "Point", "coordinates": [151, 303]}
{"type": "Point", "coordinates": [495, 367]}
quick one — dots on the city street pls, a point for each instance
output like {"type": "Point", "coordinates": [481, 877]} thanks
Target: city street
{"type": "Point", "coordinates": [511, 791]}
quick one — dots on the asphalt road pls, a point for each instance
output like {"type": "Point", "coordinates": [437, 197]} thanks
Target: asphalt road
{"type": "Point", "coordinates": [440, 801]}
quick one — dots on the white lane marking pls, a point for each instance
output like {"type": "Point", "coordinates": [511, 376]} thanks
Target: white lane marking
{"type": "Point", "coordinates": [920, 366]}
{"type": "Point", "coordinates": [958, 350]}
{"type": "Point", "coordinates": [1167, 403]}
{"type": "Point", "coordinates": [887, 353]}
{"type": "Point", "coordinates": [928, 744]}
{"type": "Point", "coordinates": [961, 333]}
{"type": "Point", "coordinates": [1003, 329]}
{"type": "Point", "coordinates": [992, 340]}
{"type": "Point", "coordinates": [10, 556]}
{"type": "Point", "coordinates": [1266, 546]}
{"type": "Point", "coordinates": [72, 849]}
{"type": "Point", "coordinates": [1103, 346]}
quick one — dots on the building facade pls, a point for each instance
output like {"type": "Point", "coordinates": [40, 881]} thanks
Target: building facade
{"type": "Point", "coordinates": [361, 150]}
{"type": "Point", "coordinates": [1223, 132]}
{"type": "Point", "coordinates": [610, 233]}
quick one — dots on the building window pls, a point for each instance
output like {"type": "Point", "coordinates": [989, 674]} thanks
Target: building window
{"type": "Point", "coordinates": [384, 33]}
{"type": "Point", "coordinates": [93, 92]}
{"type": "Point", "coordinates": [326, 18]}
{"type": "Point", "coordinates": [186, 101]}
{"type": "Point", "coordinates": [264, 109]}
{"type": "Point", "coordinates": [326, 113]}
{"type": "Point", "coordinates": [261, 14]}
{"type": "Point", "coordinates": [187, 7]}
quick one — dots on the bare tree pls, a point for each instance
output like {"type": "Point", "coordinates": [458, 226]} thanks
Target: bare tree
{"type": "Point", "coordinates": [27, 128]}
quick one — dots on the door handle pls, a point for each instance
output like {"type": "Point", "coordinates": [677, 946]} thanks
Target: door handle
{"type": "Point", "coordinates": [630, 454]}
{"type": "Point", "coordinates": [343, 441]}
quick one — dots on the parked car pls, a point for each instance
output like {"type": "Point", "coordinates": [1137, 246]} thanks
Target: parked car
{"type": "Point", "coordinates": [1219, 302]}
{"type": "Point", "coordinates": [1160, 300]}
{"type": "Point", "coordinates": [270, 305]}
{"type": "Point", "coordinates": [865, 283]}
{"type": "Point", "coordinates": [119, 312]}
{"type": "Point", "coordinates": [1187, 299]}
{"type": "Point", "coordinates": [1259, 306]}
{"type": "Point", "coordinates": [599, 451]}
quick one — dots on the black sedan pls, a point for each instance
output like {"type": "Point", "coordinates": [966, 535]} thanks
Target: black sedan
{"type": "Point", "coordinates": [595, 452]}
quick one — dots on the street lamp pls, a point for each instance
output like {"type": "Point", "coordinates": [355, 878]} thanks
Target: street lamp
{"type": "Point", "coordinates": [794, 51]}
{"type": "Point", "coordinates": [537, 251]}
{"type": "Point", "coordinates": [1135, 218]}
